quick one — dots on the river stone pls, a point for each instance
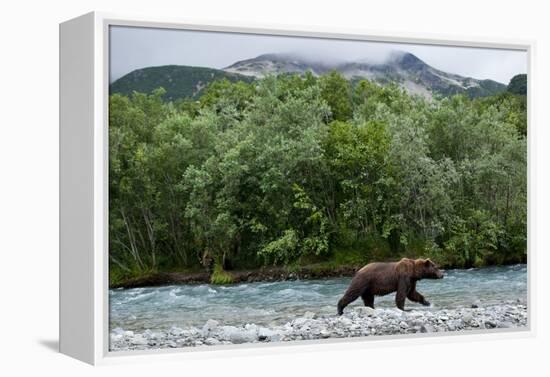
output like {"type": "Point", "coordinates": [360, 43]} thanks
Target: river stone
{"type": "Point", "coordinates": [265, 334]}
{"type": "Point", "coordinates": [491, 324]}
{"type": "Point", "coordinates": [139, 340]}
{"type": "Point", "coordinates": [325, 334]}
{"type": "Point", "coordinates": [238, 336]}
{"type": "Point", "coordinates": [354, 323]}
{"type": "Point", "coordinates": [210, 325]}
{"type": "Point", "coordinates": [116, 337]}
{"type": "Point", "coordinates": [427, 329]}
{"type": "Point", "coordinates": [365, 311]}
{"type": "Point", "coordinates": [299, 322]}
{"type": "Point", "coordinates": [418, 314]}
{"type": "Point", "coordinates": [176, 331]}
{"type": "Point", "coordinates": [156, 335]}
{"type": "Point", "coordinates": [396, 314]}
{"type": "Point", "coordinates": [211, 341]}
{"type": "Point", "coordinates": [467, 317]}
{"type": "Point", "coordinates": [345, 321]}
{"type": "Point", "coordinates": [118, 331]}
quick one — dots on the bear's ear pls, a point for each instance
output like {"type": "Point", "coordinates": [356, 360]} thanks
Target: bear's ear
{"type": "Point", "coordinates": [428, 262]}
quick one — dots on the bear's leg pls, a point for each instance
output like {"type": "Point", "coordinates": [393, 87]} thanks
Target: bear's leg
{"type": "Point", "coordinates": [351, 295]}
{"type": "Point", "coordinates": [368, 299]}
{"type": "Point", "coordinates": [402, 290]}
{"type": "Point", "coordinates": [415, 296]}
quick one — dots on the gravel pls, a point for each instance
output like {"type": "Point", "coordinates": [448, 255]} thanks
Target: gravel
{"type": "Point", "coordinates": [358, 321]}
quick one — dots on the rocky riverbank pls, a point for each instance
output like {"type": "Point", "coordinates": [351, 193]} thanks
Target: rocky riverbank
{"type": "Point", "coordinates": [356, 321]}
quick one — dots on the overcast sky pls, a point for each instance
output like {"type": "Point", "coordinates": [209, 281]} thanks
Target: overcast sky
{"type": "Point", "coordinates": [133, 48]}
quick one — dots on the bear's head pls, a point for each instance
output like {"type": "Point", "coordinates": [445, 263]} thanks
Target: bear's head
{"type": "Point", "coordinates": [427, 269]}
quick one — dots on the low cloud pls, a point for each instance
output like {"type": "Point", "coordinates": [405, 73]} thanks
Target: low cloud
{"type": "Point", "coordinates": [133, 48]}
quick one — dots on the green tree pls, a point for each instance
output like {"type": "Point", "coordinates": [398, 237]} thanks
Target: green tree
{"type": "Point", "coordinates": [336, 91]}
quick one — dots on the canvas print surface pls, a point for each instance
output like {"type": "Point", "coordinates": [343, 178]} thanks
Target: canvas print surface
{"type": "Point", "coordinates": [274, 188]}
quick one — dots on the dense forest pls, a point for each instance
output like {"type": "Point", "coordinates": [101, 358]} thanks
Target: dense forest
{"type": "Point", "coordinates": [296, 169]}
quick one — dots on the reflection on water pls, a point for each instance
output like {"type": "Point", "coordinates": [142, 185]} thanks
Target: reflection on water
{"type": "Point", "coordinates": [279, 302]}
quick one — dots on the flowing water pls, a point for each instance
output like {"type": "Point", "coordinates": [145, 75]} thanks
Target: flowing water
{"type": "Point", "coordinates": [273, 303]}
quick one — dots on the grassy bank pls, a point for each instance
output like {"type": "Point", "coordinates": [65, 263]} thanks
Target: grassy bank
{"type": "Point", "coordinates": [342, 263]}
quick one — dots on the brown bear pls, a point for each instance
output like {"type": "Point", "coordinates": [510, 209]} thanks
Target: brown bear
{"type": "Point", "coordinates": [379, 279]}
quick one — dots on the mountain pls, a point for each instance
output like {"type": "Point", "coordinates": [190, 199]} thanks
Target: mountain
{"type": "Point", "coordinates": [179, 81]}
{"type": "Point", "coordinates": [274, 64]}
{"type": "Point", "coordinates": [518, 84]}
{"type": "Point", "coordinates": [402, 68]}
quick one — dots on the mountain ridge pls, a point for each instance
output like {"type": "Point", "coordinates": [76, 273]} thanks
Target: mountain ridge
{"type": "Point", "coordinates": [401, 68]}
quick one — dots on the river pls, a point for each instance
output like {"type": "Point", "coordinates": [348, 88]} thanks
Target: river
{"type": "Point", "coordinates": [274, 303]}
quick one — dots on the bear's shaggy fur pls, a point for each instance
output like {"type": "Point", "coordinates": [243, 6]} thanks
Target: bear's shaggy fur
{"type": "Point", "coordinates": [379, 279]}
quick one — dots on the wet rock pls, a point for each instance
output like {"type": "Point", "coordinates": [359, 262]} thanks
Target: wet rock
{"type": "Point", "coordinates": [365, 311]}
{"type": "Point", "coordinates": [116, 337]}
{"type": "Point", "coordinates": [210, 325]}
{"type": "Point", "coordinates": [309, 315]}
{"type": "Point", "coordinates": [345, 321]}
{"type": "Point", "coordinates": [325, 334]}
{"type": "Point", "coordinates": [117, 331]}
{"type": "Point", "coordinates": [251, 327]}
{"type": "Point", "coordinates": [139, 340]}
{"type": "Point", "coordinates": [176, 331]}
{"type": "Point", "coordinates": [242, 336]}
{"type": "Point", "coordinates": [211, 341]}
{"type": "Point", "coordinates": [467, 317]}
{"type": "Point", "coordinates": [156, 335]}
{"type": "Point", "coordinates": [427, 329]}
{"type": "Point", "coordinates": [490, 324]}
{"type": "Point", "coordinates": [299, 322]}
{"type": "Point", "coordinates": [265, 334]}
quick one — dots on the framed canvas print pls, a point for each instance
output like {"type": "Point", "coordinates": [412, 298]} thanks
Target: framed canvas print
{"type": "Point", "coordinates": [233, 188]}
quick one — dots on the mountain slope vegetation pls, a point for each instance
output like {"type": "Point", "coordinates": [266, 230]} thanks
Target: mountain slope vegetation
{"type": "Point", "coordinates": [178, 81]}
{"type": "Point", "coordinates": [518, 85]}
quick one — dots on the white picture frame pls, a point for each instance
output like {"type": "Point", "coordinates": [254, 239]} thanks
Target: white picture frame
{"type": "Point", "coordinates": [84, 52]}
